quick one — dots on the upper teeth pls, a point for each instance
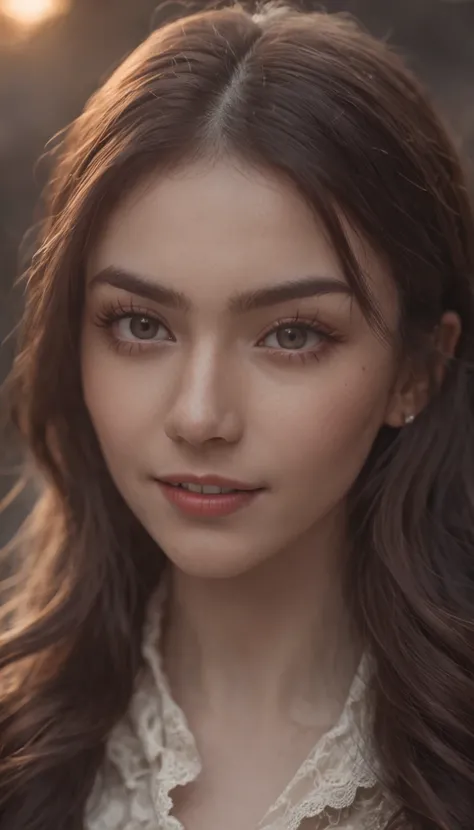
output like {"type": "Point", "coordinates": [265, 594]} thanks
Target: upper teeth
{"type": "Point", "coordinates": [205, 488]}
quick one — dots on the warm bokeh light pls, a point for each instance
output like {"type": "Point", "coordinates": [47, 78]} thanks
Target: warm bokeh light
{"type": "Point", "coordinates": [31, 12]}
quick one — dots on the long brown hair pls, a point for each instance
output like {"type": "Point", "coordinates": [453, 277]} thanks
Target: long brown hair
{"type": "Point", "coordinates": [316, 99]}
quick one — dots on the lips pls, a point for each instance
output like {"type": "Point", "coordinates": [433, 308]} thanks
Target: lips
{"type": "Point", "coordinates": [207, 505]}
{"type": "Point", "coordinates": [204, 504]}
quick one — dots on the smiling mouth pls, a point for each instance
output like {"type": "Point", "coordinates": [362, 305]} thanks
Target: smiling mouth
{"type": "Point", "coordinates": [207, 489]}
{"type": "Point", "coordinates": [209, 484]}
{"type": "Point", "coordinates": [206, 501]}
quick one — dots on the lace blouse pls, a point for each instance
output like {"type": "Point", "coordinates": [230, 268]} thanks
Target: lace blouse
{"type": "Point", "coordinates": [152, 751]}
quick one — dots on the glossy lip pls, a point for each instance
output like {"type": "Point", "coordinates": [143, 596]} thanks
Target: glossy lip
{"type": "Point", "coordinates": [204, 505]}
{"type": "Point", "coordinates": [217, 481]}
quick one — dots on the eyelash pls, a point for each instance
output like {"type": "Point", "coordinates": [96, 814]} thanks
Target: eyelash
{"type": "Point", "coordinates": [113, 313]}
{"type": "Point", "coordinates": [328, 337]}
{"type": "Point", "coordinates": [117, 311]}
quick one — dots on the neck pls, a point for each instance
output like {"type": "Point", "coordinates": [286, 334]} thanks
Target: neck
{"type": "Point", "coordinates": [271, 639]}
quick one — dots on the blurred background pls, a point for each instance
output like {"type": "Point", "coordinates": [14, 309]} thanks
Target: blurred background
{"type": "Point", "coordinates": [54, 53]}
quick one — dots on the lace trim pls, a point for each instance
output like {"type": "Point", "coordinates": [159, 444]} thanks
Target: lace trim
{"type": "Point", "coordinates": [336, 769]}
{"type": "Point", "coordinates": [152, 751]}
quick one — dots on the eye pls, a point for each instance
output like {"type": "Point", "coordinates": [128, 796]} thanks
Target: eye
{"type": "Point", "coordinates": [140, 327]}
{"type": "Point", "coordinates": [293, 336]}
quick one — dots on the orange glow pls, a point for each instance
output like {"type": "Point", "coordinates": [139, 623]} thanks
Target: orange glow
{"type": "Point", "coordinates": [31, 12]}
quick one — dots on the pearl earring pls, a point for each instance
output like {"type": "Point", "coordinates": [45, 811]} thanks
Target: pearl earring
{"type": "Point", "coordinates": [409, 418]}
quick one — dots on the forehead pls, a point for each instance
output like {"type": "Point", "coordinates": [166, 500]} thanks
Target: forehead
{"type": "Point", "coordinates": [209, 229]}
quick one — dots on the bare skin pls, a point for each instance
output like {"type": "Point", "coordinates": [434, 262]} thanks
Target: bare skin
{"type": "Point", "coordinates": [258, 644]}
{"type": "Point", "coordinates": [254, 728]}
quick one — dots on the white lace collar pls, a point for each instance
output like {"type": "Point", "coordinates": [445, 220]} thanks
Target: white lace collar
{"type": "Point", "coordinates": [152, 751]}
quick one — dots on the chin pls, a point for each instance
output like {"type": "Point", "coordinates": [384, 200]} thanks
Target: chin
{"type": "Point", "coordinates": [209, 564]}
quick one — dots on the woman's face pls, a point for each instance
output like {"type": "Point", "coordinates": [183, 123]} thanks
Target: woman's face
{"type": "Point", "coordinates": [220, 338]}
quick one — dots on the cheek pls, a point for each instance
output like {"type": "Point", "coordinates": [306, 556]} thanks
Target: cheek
{"type": "Point", "coordinates": [118, 396]}
{"type": "Point", "coordinates": [324, 429]}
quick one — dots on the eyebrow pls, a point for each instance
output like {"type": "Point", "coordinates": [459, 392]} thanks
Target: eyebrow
{"type": "Point", "coordinates": [240, 302]}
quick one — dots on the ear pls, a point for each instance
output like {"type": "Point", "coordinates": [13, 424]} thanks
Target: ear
{"type": "Point", "coordinates": [411, 391]}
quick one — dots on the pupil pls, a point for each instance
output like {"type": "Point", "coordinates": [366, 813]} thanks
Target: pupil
{"type": "Point", "coordinates": [295, 337]}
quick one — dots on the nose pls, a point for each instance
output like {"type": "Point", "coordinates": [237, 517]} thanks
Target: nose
{"type": "Point", "coordinates": [205, 404]}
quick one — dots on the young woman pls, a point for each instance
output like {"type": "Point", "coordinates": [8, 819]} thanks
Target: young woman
{"type": "Point", "coordinates": [246, 595]}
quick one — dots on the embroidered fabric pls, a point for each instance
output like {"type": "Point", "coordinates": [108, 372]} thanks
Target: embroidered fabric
{"type": "Point", "coordinates": [152, 751]}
